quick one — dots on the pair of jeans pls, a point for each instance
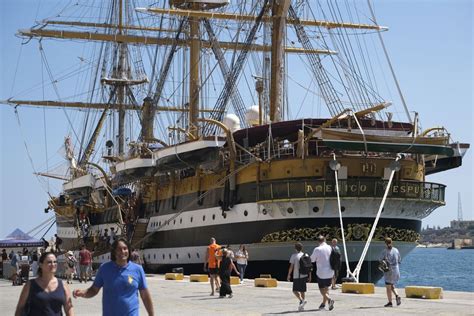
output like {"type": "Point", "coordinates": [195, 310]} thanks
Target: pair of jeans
{"type": "Point", "coordinates": [241, 268]}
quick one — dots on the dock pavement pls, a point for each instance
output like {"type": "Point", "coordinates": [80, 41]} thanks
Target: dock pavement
{"type": "Point", "coordinates": [172, 297]}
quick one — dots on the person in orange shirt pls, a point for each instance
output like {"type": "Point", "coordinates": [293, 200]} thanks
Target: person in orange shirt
{"type": "Point", "coordinates": [212, 264]}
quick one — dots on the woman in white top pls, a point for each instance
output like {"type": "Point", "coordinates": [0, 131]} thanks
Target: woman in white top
{"type": "Point", "coordinates": [242, 257]}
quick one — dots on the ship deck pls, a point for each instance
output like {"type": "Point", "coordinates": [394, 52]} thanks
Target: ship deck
{"type": "Point", "coordinates": [186, 298]}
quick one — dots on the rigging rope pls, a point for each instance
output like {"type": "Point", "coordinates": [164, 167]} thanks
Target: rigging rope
{"type": "Point", "coordinates": [390, 64]}
{"type": "Point", "coordinates": [231, 80]}
{"type": "Point", "coordinates": [357, 269]}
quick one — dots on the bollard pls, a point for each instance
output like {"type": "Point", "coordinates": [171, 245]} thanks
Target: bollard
{"type": "Point", "coordinates": [199, 278]}
{"type": "Point", "coordinates": [358, 288]}
{"type": "Point", "coordinates": [427, 292]}
{"type": "Point", "coordinates": [265, 282]}
{"type": "Point", "coordinates": [234, 280]}
{"type": "Point", "coordinates": [174, 276]}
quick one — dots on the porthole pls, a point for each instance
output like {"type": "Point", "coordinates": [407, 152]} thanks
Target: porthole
{"type": "Point", "coordinates": [203, 218]}
{"type": "Point", "coordinates": [180, 220]}
{"type": "Point", "coordinates": [315, 209]}
{"type": "Point", "coordinates": [343, 209]}
{"type": "Point", "coordinates": [148, 256]}
{"type": "Point", "coordinates": [169, 255]}
{"type": "Point", "coordinates": [154, 256]}
{"type": "Point", "coordinates": [197, 254]}
{"type": "Point", "coordinates": [189, 255]}
{"type": "Point", "coordinates": [290, 210]}
{"type": "Point", "coordinates": [191, 219]}
{"type": "Point", "coordinates": [159, 223]}
{"type": "Point", "coordinates": [402, 211]}
{"type": "Point", "coordinates": [177, 256]}
{"type": "Point", "coordinates": [163, 256]}
{"type": "Point", "coordinates": [246, 213]}
{"type": "Point", "coordinates": [174, 222]}
{"type": "Point", "coordinates": [213, 216]}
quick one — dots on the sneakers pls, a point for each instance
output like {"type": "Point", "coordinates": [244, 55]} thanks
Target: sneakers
{"type": "Point", "coordinates": [389, 304]}
{"type": "Point", "coordinates": [322, 306]}
{"type": "Point", "coordinates": [301, 306]}
{"type": "Point", "coordinates": [399, 300]}
{"type": "Point", "coordinates": [231, 296]}
{"type": "Point", "coordinates": [331, 304]}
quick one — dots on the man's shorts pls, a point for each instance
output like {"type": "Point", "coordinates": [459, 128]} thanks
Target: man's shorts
{"type": "Point", "coordinates": [324, 283]}
{"type": "Point", "coordinates": [299, 285]}
{"type": "Point", "coordinates": [84, 268]}
{"type": "Point", "coordinates": [213, 271]}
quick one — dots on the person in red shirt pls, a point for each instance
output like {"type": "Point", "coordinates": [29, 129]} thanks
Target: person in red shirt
{"type": "Point", "coordinates": [212, 264]}
{"type": "Point", "coordinates": [85, 261]}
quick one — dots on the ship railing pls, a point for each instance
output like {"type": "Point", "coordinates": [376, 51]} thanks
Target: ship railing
{"type": "Point", "coordinates": [308, 189]}
{"type": "Point", "coordinates": [279, 150]}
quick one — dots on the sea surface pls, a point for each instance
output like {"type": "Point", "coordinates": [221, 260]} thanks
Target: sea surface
{"type": "Point", "coordinates": [453, 270]}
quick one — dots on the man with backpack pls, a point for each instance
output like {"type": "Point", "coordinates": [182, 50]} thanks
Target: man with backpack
{"type": "Point", "coordinates": [300, 266]}
{"type": "Point", "coordinates": [324, 273]}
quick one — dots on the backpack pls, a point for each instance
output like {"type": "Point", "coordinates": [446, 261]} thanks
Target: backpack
{"type": "Point", "coordinates": [384, 265]}
{"type": "Point", "coordinates": [70, 263]}
{"type": "Point", "coordinates": [306, 266]}
{"type": "Point", "coordinates": [335, 260]}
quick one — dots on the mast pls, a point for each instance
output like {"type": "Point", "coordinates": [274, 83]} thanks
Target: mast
{"type": "Point", "coordinates": [279, 14]}
{"type": "Point", "coordinates": [195, 49]}
{"type": "Point", "coordinates": [121, 88]}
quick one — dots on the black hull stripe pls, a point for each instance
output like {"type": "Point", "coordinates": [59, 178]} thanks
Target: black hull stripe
{"type": "Point", "coordinates": [253, 232]}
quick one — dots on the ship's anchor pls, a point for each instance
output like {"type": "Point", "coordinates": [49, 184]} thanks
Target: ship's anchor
{"type": "Point", "coordinates": [335, 165]}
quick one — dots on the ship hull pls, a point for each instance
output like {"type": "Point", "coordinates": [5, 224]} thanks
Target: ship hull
{"type": "Point", "coordinates": [274, 260]}
{"type": "Point", "coordinates": [269, 230]}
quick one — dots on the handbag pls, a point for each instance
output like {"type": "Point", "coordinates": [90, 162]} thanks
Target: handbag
{"type": "Point", "coordinates": [384, 265]}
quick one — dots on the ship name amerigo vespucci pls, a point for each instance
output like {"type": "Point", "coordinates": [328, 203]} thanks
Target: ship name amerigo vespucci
{"type": "Point", "coordinates": [187, 126]}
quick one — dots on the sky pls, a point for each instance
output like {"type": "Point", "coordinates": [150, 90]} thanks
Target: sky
{"type": "Point", "coordinates": [430, 44]}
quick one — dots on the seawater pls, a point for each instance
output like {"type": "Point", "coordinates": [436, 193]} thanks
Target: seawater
{"type": "Point", "coordinates": [453, 270]}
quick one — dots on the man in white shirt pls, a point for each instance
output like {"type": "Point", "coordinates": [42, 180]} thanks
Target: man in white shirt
{"type": "Point", "coordinates": [299, 279]}
{"type": "Point", "coordinates": [324, 272]}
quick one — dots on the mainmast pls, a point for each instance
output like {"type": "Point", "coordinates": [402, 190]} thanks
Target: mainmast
{"type": "Point", "coordinates": [279, 15]}
{"type": "Point", "coordinates": [121, 88]}
{"type": "Point", "coordinates": [195, 55]}
{"type": "Point", "coordinates": [195, 51]}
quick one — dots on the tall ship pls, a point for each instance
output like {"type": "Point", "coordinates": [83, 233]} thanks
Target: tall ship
{"type": "Point", "coordinates": [193, 120]}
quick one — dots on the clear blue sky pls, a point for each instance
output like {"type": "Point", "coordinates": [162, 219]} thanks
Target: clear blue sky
{"type": "Point", "coordinates": [430, 44]}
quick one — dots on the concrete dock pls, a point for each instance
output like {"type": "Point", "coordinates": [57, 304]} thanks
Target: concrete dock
{"type": "Point", "coordinates": [190, 298]}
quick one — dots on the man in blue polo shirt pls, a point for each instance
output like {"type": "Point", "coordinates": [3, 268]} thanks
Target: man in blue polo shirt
{"type": "Point", "coordinates": [121, 280]}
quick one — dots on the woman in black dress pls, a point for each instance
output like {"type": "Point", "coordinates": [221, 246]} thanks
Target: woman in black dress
{"type": "Point", "coordinates": [46, 295]}
{"type": "Point", "coordinates": [225, 269]}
